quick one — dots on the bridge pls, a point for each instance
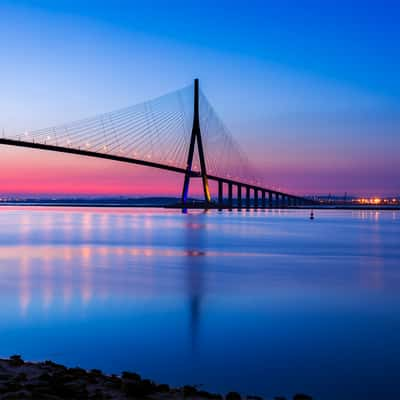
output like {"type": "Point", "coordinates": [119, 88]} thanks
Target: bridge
{"type": "Point", "coordinates": [163, 133]}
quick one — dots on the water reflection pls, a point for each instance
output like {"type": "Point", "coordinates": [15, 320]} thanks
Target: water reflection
{"type": "Point", "coordinates": [195, 240]}
{"type": "Point", "coordinates": [25, 290]}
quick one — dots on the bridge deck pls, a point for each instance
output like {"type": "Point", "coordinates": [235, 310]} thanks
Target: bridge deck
{"type": "Point", "coordinates": [88, 153]}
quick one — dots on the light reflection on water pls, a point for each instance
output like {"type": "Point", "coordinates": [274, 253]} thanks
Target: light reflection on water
{"type": "Point", "coordinates": [261, 302]}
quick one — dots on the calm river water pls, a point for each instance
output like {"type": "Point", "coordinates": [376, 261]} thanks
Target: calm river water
{"type": "Point", "coordinates": [266, 303]}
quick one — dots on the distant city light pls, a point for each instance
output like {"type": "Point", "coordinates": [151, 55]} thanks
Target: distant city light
{"type": "Point", "coordinates": [376, 201]}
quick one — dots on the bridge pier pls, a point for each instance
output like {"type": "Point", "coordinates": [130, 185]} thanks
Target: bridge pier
{"type": "Point", "coordinates": [220, 193]}
{"type": "Point", "coordinates": [230, 199]}
{"type": "Point", "coordinates": [239, 196]}
{"type": "Point", "coordinates": [248, 198]}
{"type": "Point", "coordinates": [255, 198]}
{"type": "Point", "coordinates": [263, 203]}
{"type": "Point", "coordinates": [270, 199]}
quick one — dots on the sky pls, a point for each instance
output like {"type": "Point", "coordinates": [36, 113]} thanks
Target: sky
{"type": "Point", "coordinates": [310, 91]}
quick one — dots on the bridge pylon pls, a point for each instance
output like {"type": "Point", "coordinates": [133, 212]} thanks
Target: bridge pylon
{"type": "Point", "coordinates": [196, 134]}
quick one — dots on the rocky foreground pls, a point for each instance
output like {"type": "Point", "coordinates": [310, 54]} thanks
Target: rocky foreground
{"type": "Point", "coordinates": [50, 381]}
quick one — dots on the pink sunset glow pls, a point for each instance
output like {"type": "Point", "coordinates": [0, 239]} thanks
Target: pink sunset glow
{"type": "Point", "coordinates": [36, 172]}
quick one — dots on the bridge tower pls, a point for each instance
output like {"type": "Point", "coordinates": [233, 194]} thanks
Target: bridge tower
{"type": "Point", "coordinates": [196, 134]}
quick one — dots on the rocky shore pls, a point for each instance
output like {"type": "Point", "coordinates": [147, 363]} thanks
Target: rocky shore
{"type": "Point", "coordinates": [47, 380]}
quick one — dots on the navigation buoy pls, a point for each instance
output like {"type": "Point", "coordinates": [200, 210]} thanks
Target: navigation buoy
{"type": "Point", "coordinates": [312, 214]}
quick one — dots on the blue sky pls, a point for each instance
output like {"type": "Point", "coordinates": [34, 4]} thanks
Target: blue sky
{"type": "Point", "coordinates": [311, 90]}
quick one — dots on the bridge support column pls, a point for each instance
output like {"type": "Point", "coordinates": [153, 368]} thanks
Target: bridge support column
{"type": "Point", "coordinates": [230, 199]}
{"type": "Point", "coordinates": [220, 193]}
{"type": "Point", "coordinates": [248, 197]}
{"type": "Point", "coordinates": [255, 198]}
{"type": "Point", "coordinates": [278, 200]}
{"type": "Point", "coordinates": [263, 203]}
{"type": "Point", "coordinates": [239, 197]}
{"type": "Point", "coordinates": [196, 135]}
{"type": "Point", "coordinates": [270, 199]}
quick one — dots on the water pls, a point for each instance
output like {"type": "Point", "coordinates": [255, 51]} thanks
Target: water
{"type": "Point", "coordinates": [262, 302]}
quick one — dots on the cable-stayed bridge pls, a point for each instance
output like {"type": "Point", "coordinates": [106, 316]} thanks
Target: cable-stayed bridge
{"type": "Point", "coordinates": [165, 133]}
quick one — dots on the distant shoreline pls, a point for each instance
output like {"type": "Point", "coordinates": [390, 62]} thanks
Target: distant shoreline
{"type": "Point", "coordinates": [105, 204]}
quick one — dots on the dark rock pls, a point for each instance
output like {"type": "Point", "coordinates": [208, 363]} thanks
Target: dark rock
{"type": "Point", "coordinates": [39, 392]}
{"type": "Point", "coordinates": [31, 385]}
{"type": "Point", "coordinates": [139, 388]}
{"type": "Point", "coordinates": [16, 357]}
{"type": "Point", "coordinates": [13, 386]}
{"type": "Point", "coordinates": [254, 398]}
{"type": "Point", "coordinates": [20, 395]}
{"type": "Point", "coordinates": [16, 360]}
{"type": "Point", "coordinates": [96, 372]}
{"type": "Point", "coordinates": [113, 382]}
{"type": "Point", "coordinates": [5, 377]}
{"type": "Point", "coordinates": [45, 396]}
{"type": "Point", "coordinates": [131, 375]}
{"type": "Point", "coordinates": [207, 395]}
{"type": "Point", "coordinates": [21, 377]}
{"type": "Point", "coordinates": [301, 396]}
{"type": "Point", "coordinates": [279, 398]}
{"type": "Point", "coordinates": [77, 372]}
{"type": "Point", "coordinates": [233, 396]}
{"type": "Point", "coordinates": [54, 365]}
{"type": "Point", "coordinates": [66, 377]}
{"type": "Point", "coordinates": [163, 388]}
{"type": "Point", "coordinates": [189, 390]}
{"type": "Point", "coordinates": [93, 379]}
{"type": "Point", "coordinates": [11, 396]}
{"type": "Point", "coordinates": [77, 386]}
{"type": "Point", "coordinates": [3, 388]}
{"type": "Point", "coordinates": [98, 395]}
{"type": "Point", "coordinates": [44, 377]}
{"type": "Point", "coordinates": [68, 390]}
